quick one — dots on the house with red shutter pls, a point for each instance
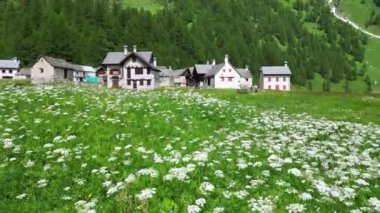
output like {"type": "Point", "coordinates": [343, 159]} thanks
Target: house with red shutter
{"type": "Point", "coordinates": [131, 70]}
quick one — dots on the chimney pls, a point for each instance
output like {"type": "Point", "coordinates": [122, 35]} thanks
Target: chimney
{"type": "Point", "coordinates": [125, 49]}
{"type": "Point", "coordinates": [246, 67]}
{"type": "Point", "coordinates": [155, 61]}
{"type": "Point", "coordinates": [213, 62]}
{"type": "Point", "coordinates": [226, 59]}
{"type": "Point", "coordinates": [134, 48]}
{"type": "Point", "coordinates": [170, 68]}
{"type": "Point", "coordinates": [207, 62]}
{"type": "Point", "coordinates": [15, 59]}
{"type": "Point", "coordinates": [286, 63]}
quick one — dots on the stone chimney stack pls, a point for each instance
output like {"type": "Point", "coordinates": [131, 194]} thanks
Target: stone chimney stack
{"type": "Point", "coordinates": [286, 63]}
{"type": "Point", "coordinates": [213, 62]}
{"type": "Point", "coordinates": [125, 49]}
{"type": "Point", "coordinates": [170, 68]}
{"type": "Point", "coordinates": [134, 48]}
{"type": "Point", "coordinates": [246, 67]}
{"type": "Point", "coordinates": [208, 62]}
{"type": "Point", "coordinates": [155, 61]}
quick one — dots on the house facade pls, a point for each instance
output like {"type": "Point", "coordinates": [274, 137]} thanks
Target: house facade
{"type": "Point", "coordinates": [131, 70]}
{"type": "Point", "coordinates": [166, 79]}
{"type": "Point", "coordinates": [9, 68]}
{"type": "Point", "coordinates": [182, 77]}
{"type": "Point", "coordinates": [275, 77]}
{"type": "Point", "coordinates": [225, 76]}
{"type": "Point", "coordinates": [48, 69]}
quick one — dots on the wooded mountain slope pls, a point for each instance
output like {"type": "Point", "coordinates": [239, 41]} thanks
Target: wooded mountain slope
{"type": "Point", "coordinates": [254, 33]}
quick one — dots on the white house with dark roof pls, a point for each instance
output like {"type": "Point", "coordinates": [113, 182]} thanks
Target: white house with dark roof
{"type": "Point", "coordinates": [225, 76]}
{"type": "Point", "coordinates": [275, 77]}
{"type": "Point", "coordinates": [9, 68]}
{"type": "Point", "coordinates": [131, 70]}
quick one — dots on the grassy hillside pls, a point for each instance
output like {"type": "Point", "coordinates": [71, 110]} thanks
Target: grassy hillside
{"type": "Point", "coordinates": [359, 11]}
{"type": "Point", "coordinates": [150, 5]}
{"type": "Point", "coordinates": [85, 149]}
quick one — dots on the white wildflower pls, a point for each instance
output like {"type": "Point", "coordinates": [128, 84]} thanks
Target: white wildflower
{"type": "Point", "coordinates": [29, 164]}
{"type": "Point", "coordinates": [193, 209]}
{"type": "Point", "coordinates": [8, 143]}
{"type": "Point", "coordinates": [21, 196]}
{"type": "Point", "coordinates": [295, 208]}
{"type": "Point", "coordinates": [296, 172]}
{"type": "Point", "coordinates": [42, 183]}
{"type": "Point", "coordinates": [219, 173]}
{"type": "Point", "coordinates": [374, 203]}
{"type": "Point", "coordinates": [206, 187]}
{"type": "Point", "coordinates": [218, 210]}
{"type": "Point", "coordinates": [305, 196]}
{"type": "Point", "coordinates": [130, 178]}
{"type": "Point", "coordinates": [146, 194]}
{"type": "Point", "coordinates": [200, 202]}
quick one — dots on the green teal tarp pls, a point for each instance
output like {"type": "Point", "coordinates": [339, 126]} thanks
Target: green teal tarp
{"type": "Point", "coordinates": [91, 79]}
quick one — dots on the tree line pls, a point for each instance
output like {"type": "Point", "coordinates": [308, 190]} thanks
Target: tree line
{"type": "Point", "coordinates": [254, 33]}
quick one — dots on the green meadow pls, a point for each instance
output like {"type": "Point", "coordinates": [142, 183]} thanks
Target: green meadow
{"type": "Point", "coordinates": [66, 148]}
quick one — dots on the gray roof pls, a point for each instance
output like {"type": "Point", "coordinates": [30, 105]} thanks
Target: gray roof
{"type": "Point", "coordinates": [117, 57]}
{"type": "Point", "coordinates": [276, 70]}
{"type": "Point", "coordinates": [177, 73]}
{"type": "Point", "coordinates": [215, 69]}
{"type": "Point", "coordinates": [203, 68]}
{"type": "Point", "coordinates": [244, 73]}
{"type": "Point", "coordinates": [85, 68]}
{"type": "Point", "coordinates": [26, 71]}
{"type": "Point", "coordinates": [165, 72]}
{"type": "Point", "coordinates": [60, 63]}
{"type": "Point", "coordinates": [10, 64]}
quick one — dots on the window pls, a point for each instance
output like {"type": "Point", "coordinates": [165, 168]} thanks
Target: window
{"type": "Point", "coordinates": [128, 73]}
{"type": "Point", "coordinates": [269, 79]}
{"type": "Point", "coordinates": [141, 82]}
{"type": "Point", "coordinates": [269, 87]}
{"type": "Point", "coordinates": [10, 71]}
{"type": "Point", "coordinates": [222, 78]}
{"type": "Point", "coordinates": [148, 82]}
{"type": "Point", "coordinates": [276, 79]}
{"type": "Point", "coordinates": [3, 71]}
{"type": "Point", "coordinates": [41, 70]}
{"type": "Point", "coordinates": [139, 71]}
{"type": "Point", "coordinates": [246, 79]}
{"type": "Point", "coordinates": [284, 87]}
{"type": "Point", "coordinates": [284, 79]}
{"type": "Point", "coordinates": [224, 70]}
{"type": "Point", "coordinates": [148, 71]}
{"type": "Point", "coordinates": [230, 70]}
{"type": "Point", "coordinates": [65, 74]}
{"type": "Point", "coordinates": [134, 59]}
{"type": "Point", "coordinates": [230, 78]}
{"type": "Point", "coordinates": [129, 82]}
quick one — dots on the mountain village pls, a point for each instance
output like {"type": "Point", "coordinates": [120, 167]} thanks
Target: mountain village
{"type": "Point", "coordinates": [140, 70]}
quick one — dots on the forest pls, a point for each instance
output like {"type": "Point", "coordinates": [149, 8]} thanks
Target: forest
{"type": "Point", "coordinates": [254, 33]}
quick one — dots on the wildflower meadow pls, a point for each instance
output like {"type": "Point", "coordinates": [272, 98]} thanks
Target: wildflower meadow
{"type": "Point", "coordinates": [87, 149]}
